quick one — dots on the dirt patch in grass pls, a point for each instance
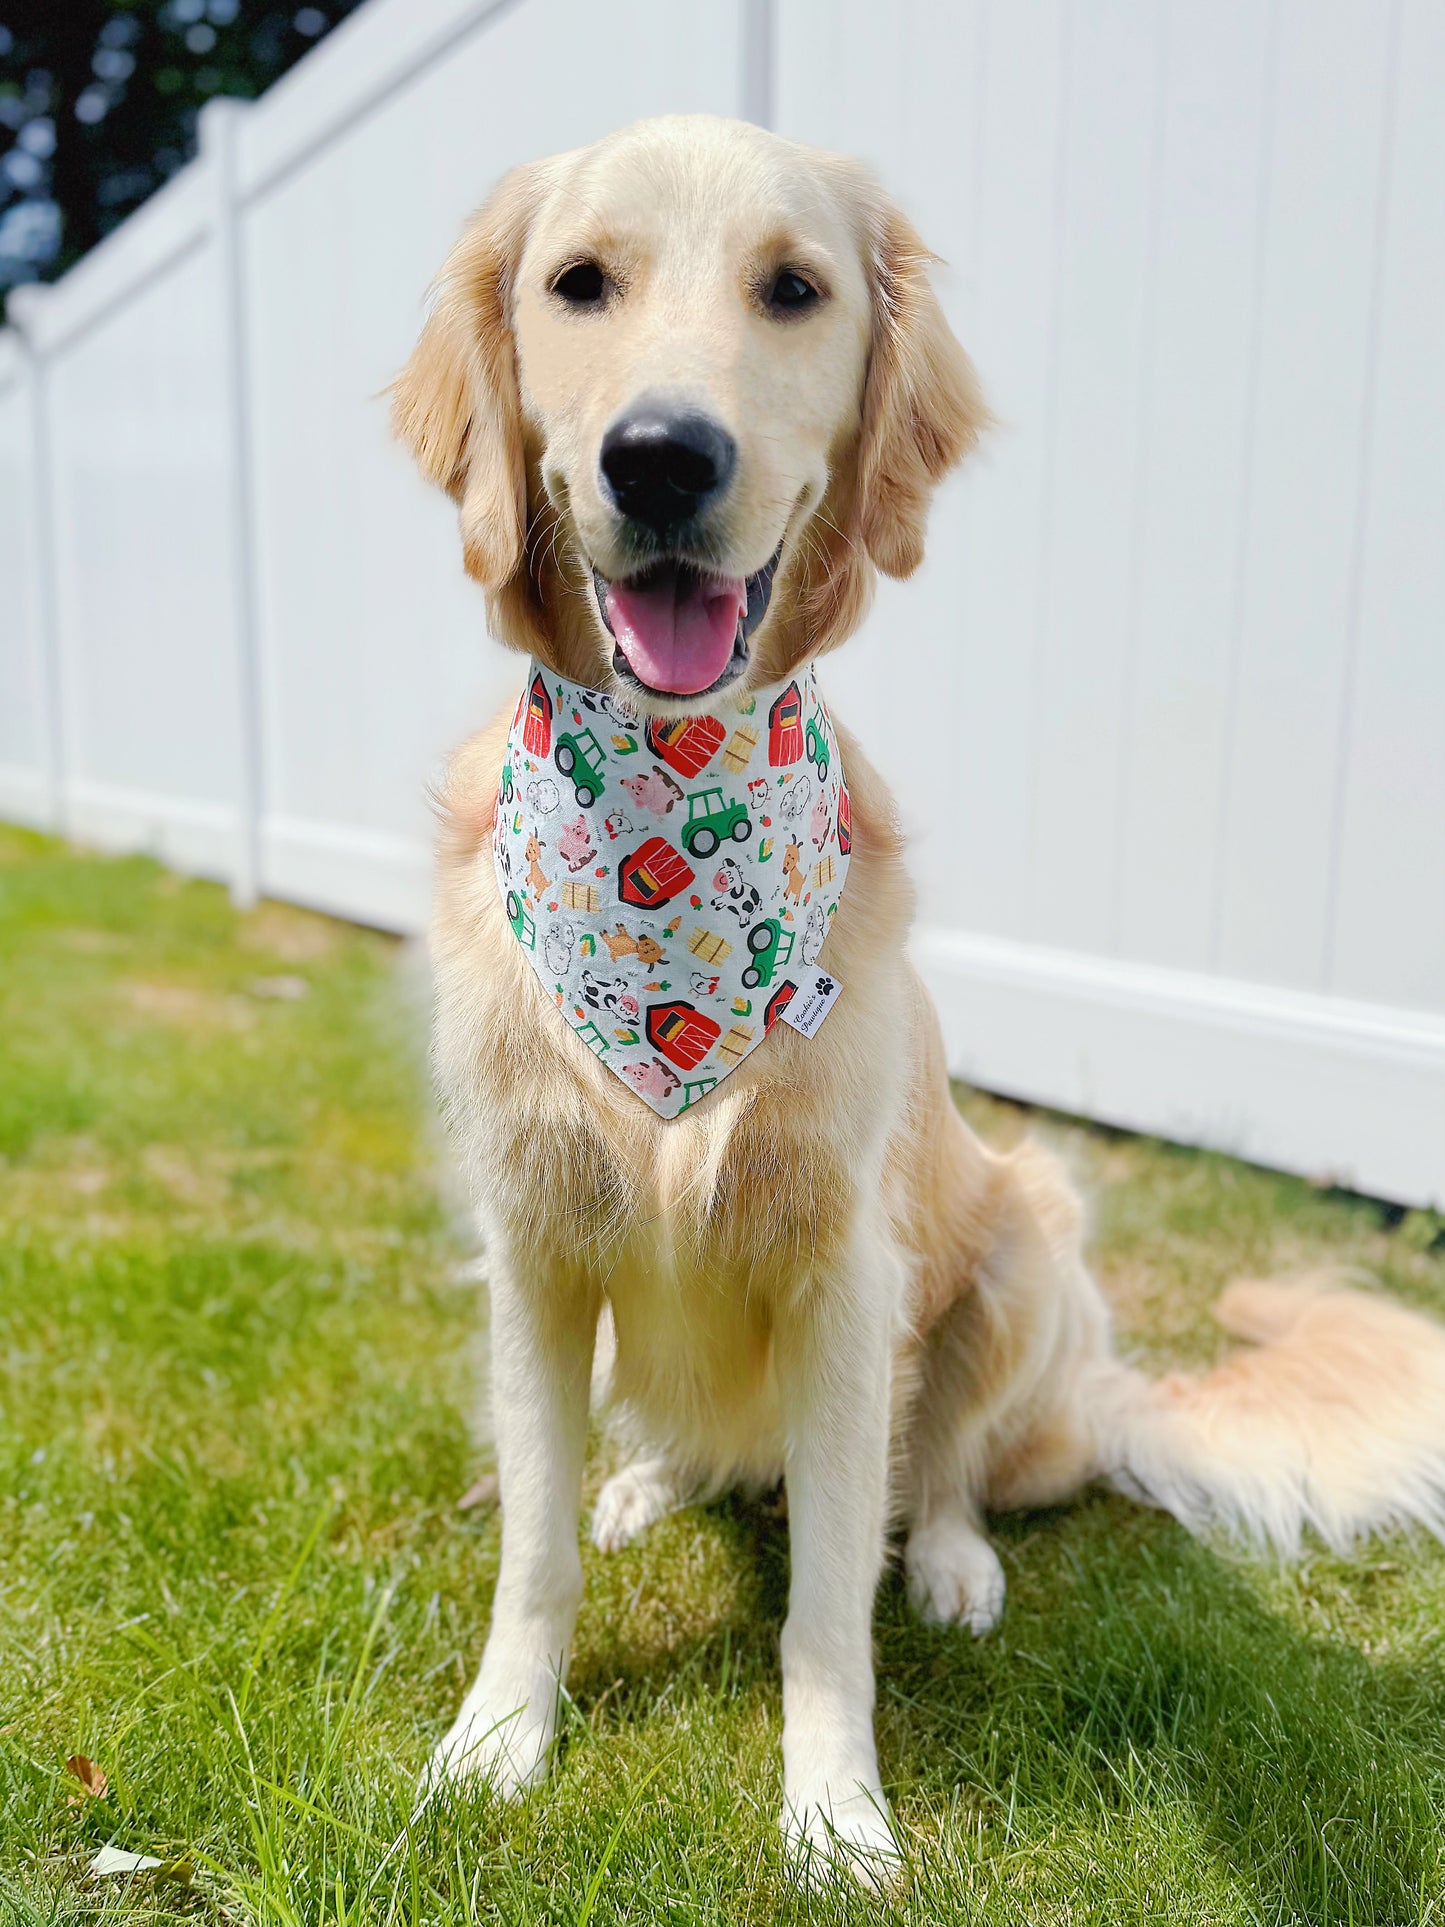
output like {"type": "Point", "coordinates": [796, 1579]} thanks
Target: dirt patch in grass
{"type": "Point", "coordinates": [189, 1007]}
{"type": "Point", "coordinates": [94, 943]}
{"type": "Point", "coordinates": [291, 935]}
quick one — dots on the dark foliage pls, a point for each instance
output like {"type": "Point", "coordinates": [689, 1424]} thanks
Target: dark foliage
{"type": "Point", "coordinates": [98, 106]}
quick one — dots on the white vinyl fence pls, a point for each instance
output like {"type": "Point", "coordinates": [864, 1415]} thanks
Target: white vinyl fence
{"type": "Point", "coordinates": [1171, 688]}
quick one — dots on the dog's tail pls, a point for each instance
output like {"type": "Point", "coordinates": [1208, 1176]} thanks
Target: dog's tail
{"type": "Point", "coordinates": [1331, 1417]}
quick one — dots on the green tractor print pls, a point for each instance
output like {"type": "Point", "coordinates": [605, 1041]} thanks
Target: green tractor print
{"type": "Point", "coordinates": [816, 744]}
{"type": "Point", "coordinates": [523, 928]}
{"type": "Point", "coordinates": [710, 819]}
{"type": "Point", "coordinates": [580, 756]}
{"type": "Point", "coordinates": [771, 946]}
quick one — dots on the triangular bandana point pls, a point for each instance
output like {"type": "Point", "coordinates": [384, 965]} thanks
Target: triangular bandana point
{"type": "Point", "coordinates": [660, 875]}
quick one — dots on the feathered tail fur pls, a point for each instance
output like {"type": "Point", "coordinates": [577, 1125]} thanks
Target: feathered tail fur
{"type": "Point", "coordinates": [1331, 1417]}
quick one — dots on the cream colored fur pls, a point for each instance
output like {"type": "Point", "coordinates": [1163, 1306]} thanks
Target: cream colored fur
{"type": "Point", "coordinates": [819, 1272]}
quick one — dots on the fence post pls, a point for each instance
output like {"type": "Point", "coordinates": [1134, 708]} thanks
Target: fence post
{"type": "Point", "coordinates": [219, 124]}
{"type": "Point", "coordinates": [23, 312]}
{"type": "Point", "coordinates": [759, 38]}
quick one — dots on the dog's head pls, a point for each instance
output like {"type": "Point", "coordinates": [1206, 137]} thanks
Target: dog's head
{"type": "Point", "coordinates": [687, 386]}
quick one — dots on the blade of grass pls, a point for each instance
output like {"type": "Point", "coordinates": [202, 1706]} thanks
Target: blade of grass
{"type": "Point", "coordinates": [288, 1586]}
{"type": "Point", "coordinates": [594, 1885]}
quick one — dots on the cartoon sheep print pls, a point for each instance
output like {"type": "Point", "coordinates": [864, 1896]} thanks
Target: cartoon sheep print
{"type": "Point", "coordinates": [662, 904]}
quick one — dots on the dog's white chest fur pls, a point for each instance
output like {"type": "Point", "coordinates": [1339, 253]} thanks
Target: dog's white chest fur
{"type": "Point", "coordinates": [685, 1359]}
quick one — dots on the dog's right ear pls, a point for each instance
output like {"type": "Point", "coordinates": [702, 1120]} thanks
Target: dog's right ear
{"type": "Point", "coordinates": [456, 403]}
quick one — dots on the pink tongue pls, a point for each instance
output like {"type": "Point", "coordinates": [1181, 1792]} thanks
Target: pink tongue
{"type": "Point", "coordinates": [676, 637]}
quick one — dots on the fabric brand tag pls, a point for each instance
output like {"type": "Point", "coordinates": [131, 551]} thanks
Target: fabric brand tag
{"type": "Point", "coordinates": [815, 996]}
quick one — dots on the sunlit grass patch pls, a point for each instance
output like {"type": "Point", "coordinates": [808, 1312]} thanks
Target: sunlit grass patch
{"type": "Point", "coordinates": [235, 1392]}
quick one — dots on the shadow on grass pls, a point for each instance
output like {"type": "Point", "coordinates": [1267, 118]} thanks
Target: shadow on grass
{"type": "Point", "coordinates": [1134, 1669]}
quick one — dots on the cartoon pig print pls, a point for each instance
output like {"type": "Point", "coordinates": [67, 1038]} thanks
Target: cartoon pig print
{"type": "Point", "coordinates": [820, 822]}
{"type": "Point", "coordinates": [575, 845]}
{"type": "Point", "coordinates": [653, 1080]}
{"type": "Point", "coordinates": [653, 790]}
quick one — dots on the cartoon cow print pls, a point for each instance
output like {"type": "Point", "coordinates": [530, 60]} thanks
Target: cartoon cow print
{"type": "Point", "coordinates": [614, 996]}
{"type": "Point", "coordinates": [603, 705]}
{"type": "Point", "coordinates": [734, 893]}
{"type": "Point", "coordinates": [575, 845]}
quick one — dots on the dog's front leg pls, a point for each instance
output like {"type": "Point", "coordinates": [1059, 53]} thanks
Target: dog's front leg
{"type": "Point", "coordinates": [832, 1349]}
{"type": "Point", "coordinates": [541, 1336]}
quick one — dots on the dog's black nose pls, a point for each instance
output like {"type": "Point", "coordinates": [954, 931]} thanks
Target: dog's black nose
{"type": "Point", "coordinates": [662, 466]}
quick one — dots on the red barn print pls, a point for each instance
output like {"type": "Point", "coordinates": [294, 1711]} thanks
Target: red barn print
{"type": "Point", "coordinates": [785, 728]}
{"type": "Point", "coordinates": [688, 743]}
{"type": "Point", "coordinates": [681, 1033]}
{"type": "Point", "coordinates": [654, 873]}
{"type": "Point", "coordinates": [537, 730]}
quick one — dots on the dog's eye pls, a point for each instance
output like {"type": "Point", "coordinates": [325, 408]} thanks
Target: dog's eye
{"type": "Point", "coordinates": [582, 285]}
{"type": "Point", "coordinates": [792, 292]}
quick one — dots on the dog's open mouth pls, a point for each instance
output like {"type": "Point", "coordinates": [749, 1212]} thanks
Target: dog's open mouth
{"type": "Point", "coordinates": [679, 631]}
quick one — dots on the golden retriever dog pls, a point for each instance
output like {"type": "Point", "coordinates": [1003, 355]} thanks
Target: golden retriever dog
{"type": "Point", "coordinates": [817, 1272]}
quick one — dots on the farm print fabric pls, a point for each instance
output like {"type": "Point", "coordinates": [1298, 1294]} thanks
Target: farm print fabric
{"type": "Point", "coordinates": [664, 876]}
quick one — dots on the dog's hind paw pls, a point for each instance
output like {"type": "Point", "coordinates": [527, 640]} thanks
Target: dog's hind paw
{"type": "Point", "coordinates": [954, 1577]}
{"type": "Point", "coordinates": [632, 1500]}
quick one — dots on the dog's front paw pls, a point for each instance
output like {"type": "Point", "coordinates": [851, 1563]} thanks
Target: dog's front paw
{"type": "Point", "coordinates": [830, 1837]}
{"type": "Point", "coordinates": [501, 1739]}
{"type": "Point", "coordinates": [954, 1577]}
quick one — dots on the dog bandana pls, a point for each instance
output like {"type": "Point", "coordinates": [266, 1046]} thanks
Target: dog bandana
{"type": "Point", "coordinates": [672, 881]}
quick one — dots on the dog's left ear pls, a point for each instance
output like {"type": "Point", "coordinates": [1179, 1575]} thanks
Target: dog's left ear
{"type": "Point", "coordinates": [922, 408]}
{"type": "Point", "coordinates": [456, 403]}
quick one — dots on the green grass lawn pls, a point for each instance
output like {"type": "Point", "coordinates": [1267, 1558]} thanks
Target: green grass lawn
{"type": "Point", "coordinates": [239, 1354]}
